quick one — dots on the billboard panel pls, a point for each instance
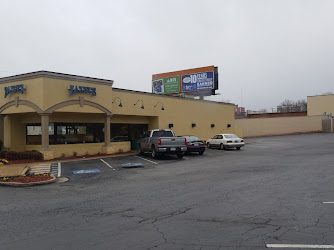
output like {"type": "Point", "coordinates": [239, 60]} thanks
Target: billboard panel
{"type": "Point", "coordinates": [198, 81]}
{"type": "Point", "coordinates": [168, 85]}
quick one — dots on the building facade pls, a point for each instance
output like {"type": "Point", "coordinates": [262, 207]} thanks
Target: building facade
{"type": "Point", "coordinates": [320, 105]}
{"type": "Point", "coordinates": [60, 114]}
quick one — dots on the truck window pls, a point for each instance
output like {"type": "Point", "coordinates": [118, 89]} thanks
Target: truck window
{"type": "Point", "coordinates": [162, 134]}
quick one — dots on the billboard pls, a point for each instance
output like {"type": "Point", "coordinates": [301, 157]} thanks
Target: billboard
{"type": "Point", "coordinates": [198, 81]}
{"type": "Point", "coordinates": [168, 85]}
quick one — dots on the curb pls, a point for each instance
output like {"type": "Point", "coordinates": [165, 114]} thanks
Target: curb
{"type": "Point", "coordinates": [19, 184]}
{"type": "Point", "coordinates": [71, 160]}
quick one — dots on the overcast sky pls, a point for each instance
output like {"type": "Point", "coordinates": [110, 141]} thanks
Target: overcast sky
{"type": "Point", "coordinates": [266, 51]}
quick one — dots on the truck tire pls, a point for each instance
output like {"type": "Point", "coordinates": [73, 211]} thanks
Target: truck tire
{"type": "Point", "coordinates": [141, 152]}
{"type": "Point", "coordinates": [154, 154]}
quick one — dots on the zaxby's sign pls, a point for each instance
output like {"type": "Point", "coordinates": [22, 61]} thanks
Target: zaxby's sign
{"type": "Point", "coordinates": [199, 81]}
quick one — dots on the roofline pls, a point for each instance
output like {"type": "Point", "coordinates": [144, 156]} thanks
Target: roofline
{"type": "Point", "coordinates": [54, 75]}
{"type": "Point", "coordinates": [168, 96]}
{"type": "Point", "coordinates": [319, 95]}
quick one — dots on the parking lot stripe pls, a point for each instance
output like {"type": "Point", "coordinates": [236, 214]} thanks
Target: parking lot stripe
{"type": "Point", "coordinates": [328, 202]}
{"type": "Point", "coordinates": [146, 160]}
{"type": "Point", "coordinates": [107, 164]}
{"type": "Point", "coordinates": [298, 246]}
{"type": "Point", "coordinates": [59, 169]}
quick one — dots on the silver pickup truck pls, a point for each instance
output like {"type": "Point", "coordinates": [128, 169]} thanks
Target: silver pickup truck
{"type": "Point", "coordinates": [162, 141]}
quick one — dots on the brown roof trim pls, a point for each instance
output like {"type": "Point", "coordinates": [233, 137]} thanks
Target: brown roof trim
{"type": "Point", "coordinates": [165, 96]}
{"type": "Point", "coordinates": [55, 75]}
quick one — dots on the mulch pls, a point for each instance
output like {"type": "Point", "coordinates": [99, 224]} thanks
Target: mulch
{"type": "Point", "coordinates": [30, 179]}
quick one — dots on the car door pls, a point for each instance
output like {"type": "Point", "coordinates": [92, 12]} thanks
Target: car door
{"type": "Point", "coordinates": [214, 140]}
{"type": "Point", "coordinates": [219, 139]}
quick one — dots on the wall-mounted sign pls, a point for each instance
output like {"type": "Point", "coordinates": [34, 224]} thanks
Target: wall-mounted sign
{"type": "Point", "coordinates": [16, 88]}
{"type": "Point", "coordinates": [80, 89]}
{"type": "Point", "coordinates": [166, 85]}
{"type": "Point", "coordinates": [197, 82]}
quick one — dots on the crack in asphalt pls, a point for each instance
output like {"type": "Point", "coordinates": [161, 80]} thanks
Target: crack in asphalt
{"type": "Point", "coordinates": [166, 216]}
{"type": "Point", "coordinates": [162, 235]}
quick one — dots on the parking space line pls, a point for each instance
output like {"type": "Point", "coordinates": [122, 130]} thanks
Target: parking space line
{"type": "Point", "coordinates": [146, 160]}
{"type": "Point", "coordinates": [328, 202]}
{"type": "Point", "coordinates": [107, 164]}
{"type": "Point", "coordinates": [59, 169]}
{"type": "Point", "coordinates": [298, 246]}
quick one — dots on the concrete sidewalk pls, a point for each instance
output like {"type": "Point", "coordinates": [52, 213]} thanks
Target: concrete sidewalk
{"type": "Point", "coordinates": [6, 171]}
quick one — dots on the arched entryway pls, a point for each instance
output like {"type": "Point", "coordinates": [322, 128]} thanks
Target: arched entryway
{"type": "Point", "coordinates": [45, 119]}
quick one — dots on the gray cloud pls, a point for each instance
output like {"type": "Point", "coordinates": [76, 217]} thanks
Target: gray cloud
{"type": "Point", "coordinates": [266, 51]}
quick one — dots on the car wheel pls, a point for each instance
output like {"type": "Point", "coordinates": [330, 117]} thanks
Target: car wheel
{"type": "Point", "coordinates": [222, 146]}
{"type": "Point", "coordinates": [238, 148]}
{"type": "Point", "coordinates": [180, 156]}
{"type": "Point", "coordinates": [209, 146]}
{"type": "Point", "coordinates": [141, 152]}
{"type": "Point", "coordinates": [200, 153]}
{"type": "Point", "coordinates": [154, 153]}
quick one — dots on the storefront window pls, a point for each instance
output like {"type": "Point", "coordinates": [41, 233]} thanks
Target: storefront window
{"type": "Point", "coordinates": [127, 132]}
{"type": "Point", "coordinates": [34, 133]}
{"type": "Point", "coordinates": [66, 133]}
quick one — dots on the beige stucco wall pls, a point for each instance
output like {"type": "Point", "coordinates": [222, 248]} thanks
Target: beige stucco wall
{"type": "Point", "coordinates": [46, 92]}
{"type": "Point", "coordinates": [181, 112]}
{"type": "Point", "coordinates": [280, 126]}
{"type": "Point", "coordinates": [317, 105]}
{"type": "Point", "coordinates": [33, 92]}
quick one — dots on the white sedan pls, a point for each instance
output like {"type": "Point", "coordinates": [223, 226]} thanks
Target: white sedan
{"type": "Point", "coordinates": [224, 141]}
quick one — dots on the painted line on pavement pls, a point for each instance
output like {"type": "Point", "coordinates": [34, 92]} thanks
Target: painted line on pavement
{"type": "Point", "coordinates": [298, 246]}
{"type": "Point", "coordinates": [107, 164]}
{"type": "Point", "coordinates": [59, 169]}
{"type": "Point", "coordinates": [146, 160]}
{"type": "Point", "coordinates": [328, 202]}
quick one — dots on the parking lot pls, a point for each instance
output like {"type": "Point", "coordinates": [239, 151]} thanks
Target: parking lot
{"type": "Point", "coordinates": [274, 192]}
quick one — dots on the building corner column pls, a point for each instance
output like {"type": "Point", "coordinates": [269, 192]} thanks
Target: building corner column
{"type": "Point", "coordinates": [45, 149]}
{"type": "Point", "coordinates": [107, 148]}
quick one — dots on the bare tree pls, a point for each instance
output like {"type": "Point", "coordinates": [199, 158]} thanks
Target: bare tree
{"type": "Point", "coordinates": [263, 111]}
{"type": "Point", "coordinates": [290, 106]}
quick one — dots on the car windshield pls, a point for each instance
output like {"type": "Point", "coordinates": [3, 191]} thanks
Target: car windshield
{"type": "Point", "coordinates": [192, 138]}
{"type": "Point", "coordinates": [162, 133]}
{"type": "Point", "coordinates": [231, 136]}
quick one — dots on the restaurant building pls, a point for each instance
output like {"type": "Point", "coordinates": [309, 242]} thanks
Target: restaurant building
{"type": "Point", "coordinates": [63, 115]}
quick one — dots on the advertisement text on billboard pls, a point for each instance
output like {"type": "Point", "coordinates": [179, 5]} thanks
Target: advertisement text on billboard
{"type": "Point", "coordinates": [197, 82]}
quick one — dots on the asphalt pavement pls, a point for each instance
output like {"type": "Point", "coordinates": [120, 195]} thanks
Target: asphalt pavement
{"type": "Point", "coordinates": [274, 192]}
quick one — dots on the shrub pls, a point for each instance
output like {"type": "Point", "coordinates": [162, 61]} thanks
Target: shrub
{"type": "Point", "coordinates": [75, 153]}
{"type": "Point", "coordinates": [2, 154]}
{"type": "Point", "coordinates": [12, 155]}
